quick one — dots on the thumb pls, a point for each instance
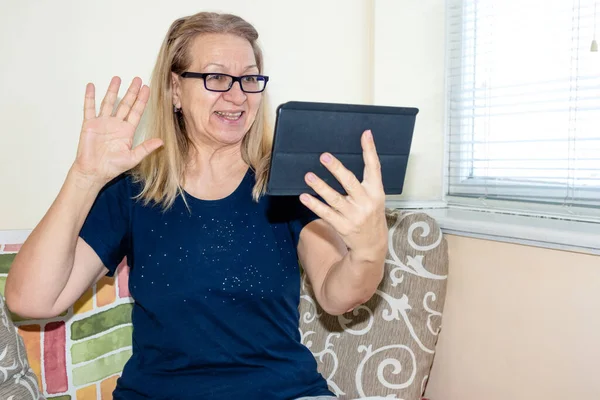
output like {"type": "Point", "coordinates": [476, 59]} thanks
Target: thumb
{"type": "Point", "coordinates": [143, 149]}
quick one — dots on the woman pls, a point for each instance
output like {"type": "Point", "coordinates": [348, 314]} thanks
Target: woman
{"type": "Point", "coordinates": [186, 208]}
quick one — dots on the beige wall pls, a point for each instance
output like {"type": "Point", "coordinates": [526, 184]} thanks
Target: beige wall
{"type": "Point", "coordinates": [353, 51]}
{"type": "Point", "coordinates": [520, 323]}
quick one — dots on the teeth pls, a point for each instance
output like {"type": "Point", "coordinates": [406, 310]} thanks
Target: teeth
{"type": "Point", "coordinates": [228, 115]}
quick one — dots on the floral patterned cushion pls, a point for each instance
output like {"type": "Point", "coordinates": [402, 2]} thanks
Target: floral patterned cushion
{"type": "Point", "coordinates": [385, 347]}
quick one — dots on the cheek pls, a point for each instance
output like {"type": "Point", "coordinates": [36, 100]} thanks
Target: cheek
{"type": "Point", "coordinates": [254, 104]}
{"type": "Point", "coordinates": [202, 104]}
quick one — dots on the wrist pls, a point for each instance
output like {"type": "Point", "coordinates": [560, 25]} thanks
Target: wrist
{"type": "Point", "coordinates": [84, 181]}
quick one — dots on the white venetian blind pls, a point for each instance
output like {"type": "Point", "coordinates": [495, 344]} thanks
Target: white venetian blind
{"type": "Point", "coordinates": [523, 103]}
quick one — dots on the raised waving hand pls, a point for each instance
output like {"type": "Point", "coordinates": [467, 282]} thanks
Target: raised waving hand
{"type": "Point", "coordinates": [106, 142]}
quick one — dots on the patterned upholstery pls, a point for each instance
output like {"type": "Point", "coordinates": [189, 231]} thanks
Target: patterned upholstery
{"type": "Point", "coordinates": [79, 354]}
{"type": "Point", "coordinates": [386, 346]}
{"type": "Point", "coordinates": [17, 380]}
{"type": "Point", "coordinates": [383, 347]}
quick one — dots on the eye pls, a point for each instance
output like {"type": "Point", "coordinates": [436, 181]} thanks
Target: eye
{"type": "Point", "coordinates": [251, 79]}
{"type": "Point", "coordinates": [214, 77]}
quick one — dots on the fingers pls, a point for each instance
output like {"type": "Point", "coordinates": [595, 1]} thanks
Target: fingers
{"type": "Point", "coordinates": [339, 223]}
{"type": "Point", "coordinates": [346, 178]}
{"type": "Point", "coordinates": [135, 115]}
{"type": "Point", "coordinates": [142, 150]}
{"type": "Point", "coordinates": [108, 103]}
{"type": "Point", "coordinates": [372, 173]}
{"type": "Point", "coordinates": [89, 104]}
{"type": "Point", "coordinates": [130, 108]}
{"type": "Point", "coordinates": [331, 196]}
{"type": "Point", "coordinates": [129, 99]}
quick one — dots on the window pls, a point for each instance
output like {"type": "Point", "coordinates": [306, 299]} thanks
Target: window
{"type": "Point", "coordinates": [523, 106]}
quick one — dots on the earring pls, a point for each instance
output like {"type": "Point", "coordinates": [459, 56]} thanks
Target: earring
{"type": "Point", "coordinates": [175, 109]}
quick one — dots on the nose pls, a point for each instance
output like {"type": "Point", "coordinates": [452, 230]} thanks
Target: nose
{"type": "Point", "coordinates": [235, 95]}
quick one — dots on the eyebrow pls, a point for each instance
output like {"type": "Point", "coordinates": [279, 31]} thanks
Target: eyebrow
{"type": "Point", "coordinates": [223, 67]}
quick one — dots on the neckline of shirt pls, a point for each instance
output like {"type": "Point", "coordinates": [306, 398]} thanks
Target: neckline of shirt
{"type": "Point", "coordinates": [238, 193]}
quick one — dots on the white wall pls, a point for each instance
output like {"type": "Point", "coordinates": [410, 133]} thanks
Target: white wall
{"type": "Point", "coordinates": [409, 71]}
{"type": "Point", "coordinates": [315, 50]}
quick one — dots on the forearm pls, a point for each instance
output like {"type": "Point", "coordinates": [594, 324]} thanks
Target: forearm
{"type": "Point", "coordinates": [42, 267]}
{"type": "Point", "coordinates": [351, 282]}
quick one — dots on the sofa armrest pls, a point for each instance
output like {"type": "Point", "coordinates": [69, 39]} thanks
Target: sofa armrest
{"type": "Point", "coordinates": [385, 346]}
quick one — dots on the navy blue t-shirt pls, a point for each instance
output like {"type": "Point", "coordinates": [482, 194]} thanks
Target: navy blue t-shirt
{"type": "Point", "coordinates": [216, 290]}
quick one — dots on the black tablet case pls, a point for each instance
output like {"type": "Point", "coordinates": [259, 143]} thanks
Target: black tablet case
{"type": "Point", "coordinates": [305, 130]}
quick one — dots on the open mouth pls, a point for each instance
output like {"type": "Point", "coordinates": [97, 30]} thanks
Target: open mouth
{"type": "Point", "coordinates": [230, 116]}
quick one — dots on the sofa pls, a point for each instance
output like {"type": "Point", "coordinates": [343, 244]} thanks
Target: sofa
{"type": "Point", "coordinates": [384, 347]}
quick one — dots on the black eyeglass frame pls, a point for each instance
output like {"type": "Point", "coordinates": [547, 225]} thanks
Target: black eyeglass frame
{"type": "Point", "coordinates": [201, 75]}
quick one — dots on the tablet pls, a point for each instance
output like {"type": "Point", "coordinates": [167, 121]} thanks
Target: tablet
{"type": "Point", "coordinates": [305, 130]}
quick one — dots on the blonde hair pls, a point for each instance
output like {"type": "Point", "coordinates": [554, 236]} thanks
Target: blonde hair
{"type": "Point", "coordinates": [162, 172]}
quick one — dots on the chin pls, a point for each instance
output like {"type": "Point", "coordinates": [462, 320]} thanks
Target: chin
{"type": "Point", "coordinates": [228, 136]}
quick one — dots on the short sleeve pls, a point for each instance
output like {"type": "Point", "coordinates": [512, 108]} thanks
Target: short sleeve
{"type": "Point", "coordinates": [106, 228]}
{"type": "Point", "coordinates": [300, 217]}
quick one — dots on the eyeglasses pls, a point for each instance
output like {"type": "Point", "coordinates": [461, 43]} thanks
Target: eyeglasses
{"type": "Point", "coordinates": [223, 82]}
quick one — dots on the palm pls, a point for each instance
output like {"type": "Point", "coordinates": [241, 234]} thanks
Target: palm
{"type": "Point", "coordinates": [106, 141]}
{"type": "Point", "coordinates": [105, 146]}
